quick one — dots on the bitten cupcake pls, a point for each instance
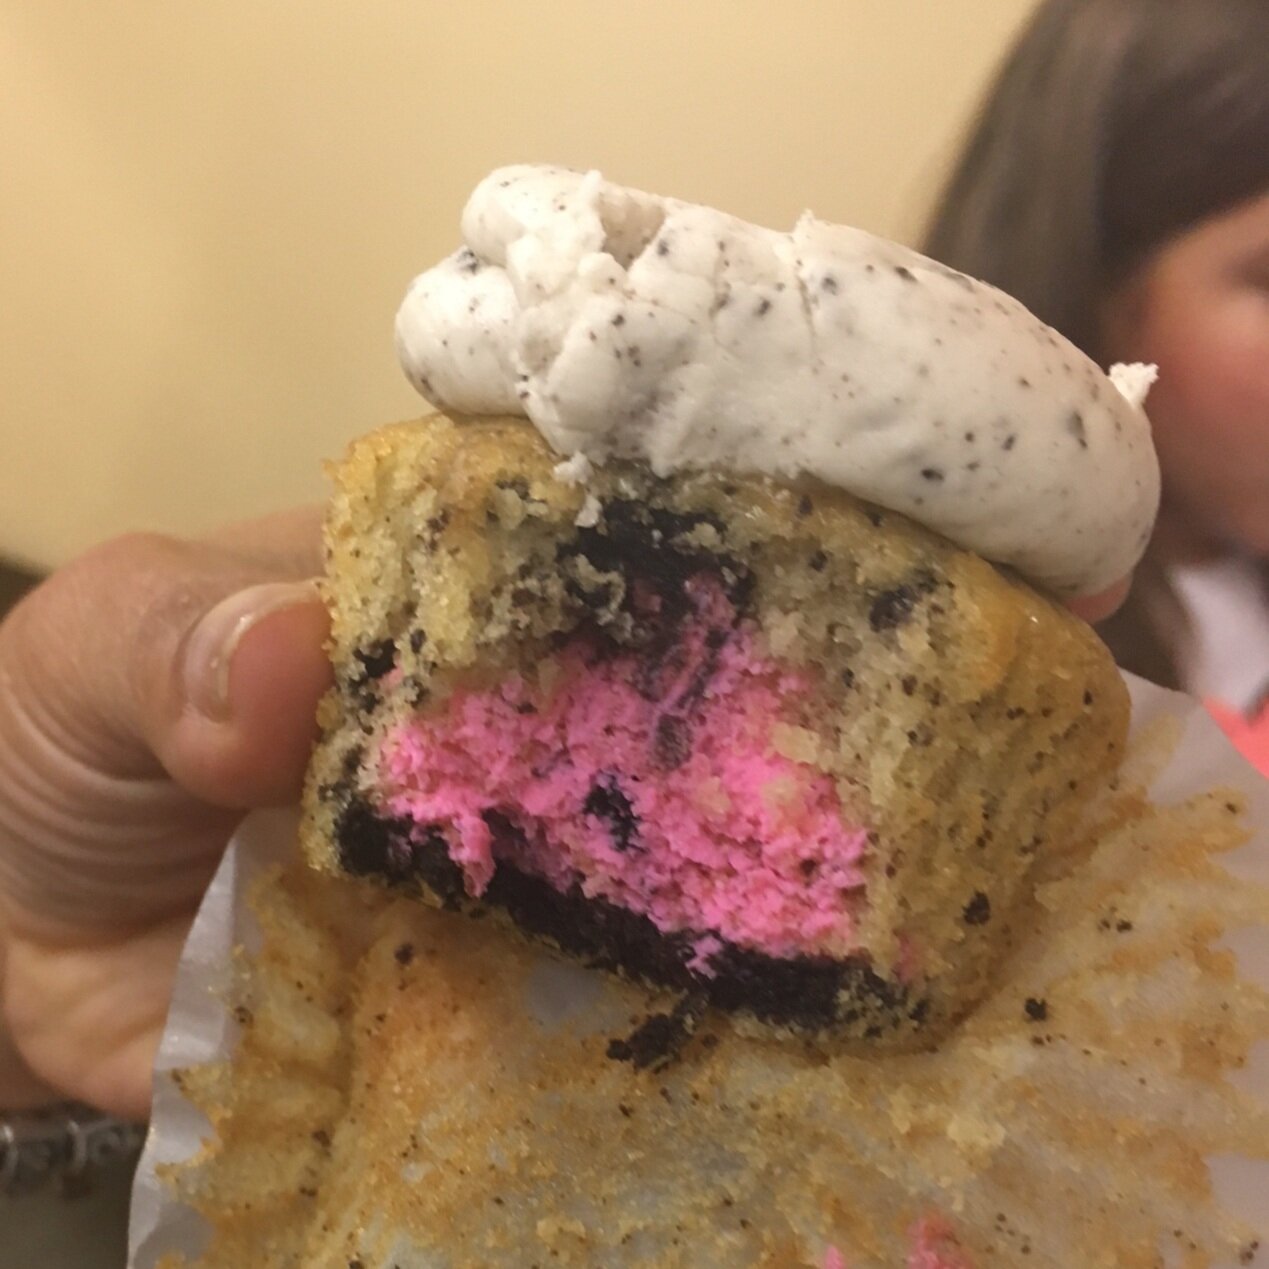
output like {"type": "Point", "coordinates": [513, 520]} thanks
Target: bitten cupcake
{"type": "Point", "coordinates": [705, 631]}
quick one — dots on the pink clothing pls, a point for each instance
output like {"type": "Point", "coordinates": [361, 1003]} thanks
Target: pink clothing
{"type": "Point", "coordinates": [1250, 736]}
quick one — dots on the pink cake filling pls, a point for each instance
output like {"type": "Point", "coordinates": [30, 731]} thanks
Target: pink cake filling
{"type": "Point", "coordinates": [655, 784]}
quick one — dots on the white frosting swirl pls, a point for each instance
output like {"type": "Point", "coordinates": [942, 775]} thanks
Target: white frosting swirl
{"type": "Point", "coordinates": [623, 324]}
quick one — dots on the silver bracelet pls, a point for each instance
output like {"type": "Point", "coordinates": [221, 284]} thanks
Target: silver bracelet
{"type": "Point", "coordinates": [63, 1144]}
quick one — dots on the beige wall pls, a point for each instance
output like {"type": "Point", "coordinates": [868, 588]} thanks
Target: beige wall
{"type": "Point", "coordinates": [209, 209]}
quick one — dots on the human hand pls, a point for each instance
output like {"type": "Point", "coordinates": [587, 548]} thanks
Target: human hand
{"type": "Point", "coordinates": [150, 693]}
{"type": "Point", "coordinates": [1095, 608]}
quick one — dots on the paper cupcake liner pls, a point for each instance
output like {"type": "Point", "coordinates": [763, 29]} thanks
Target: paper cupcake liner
{"type": "Point", "coordinates": [373, 1083]}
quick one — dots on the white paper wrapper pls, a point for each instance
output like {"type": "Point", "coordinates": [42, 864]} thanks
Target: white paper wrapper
{"type": "Point", "coordinates": [200, 1029]}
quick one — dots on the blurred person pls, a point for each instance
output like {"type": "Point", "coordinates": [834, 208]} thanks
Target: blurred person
{"type": "Point", "coordinates": [1117, 183]}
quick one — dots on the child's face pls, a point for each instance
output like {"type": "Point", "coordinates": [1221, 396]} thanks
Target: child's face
{"type": "Point", "coordinates": [1200, 309]}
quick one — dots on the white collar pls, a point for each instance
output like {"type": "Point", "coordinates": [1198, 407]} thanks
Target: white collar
{"type": "Point", "coordinates": [1228, 655]}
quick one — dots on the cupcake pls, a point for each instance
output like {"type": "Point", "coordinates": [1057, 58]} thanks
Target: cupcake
{"type": "Point", "coordinates": [708, 630]}
{"type": "Point", "coordinates": [706, 643]}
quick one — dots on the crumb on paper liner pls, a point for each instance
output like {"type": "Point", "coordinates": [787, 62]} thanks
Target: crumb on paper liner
{"type": "Point", "coordinates": [411, 1088]}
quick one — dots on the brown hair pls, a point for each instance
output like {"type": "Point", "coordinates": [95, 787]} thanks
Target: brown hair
{"type": "Point", "coordinates": [1113, 126]}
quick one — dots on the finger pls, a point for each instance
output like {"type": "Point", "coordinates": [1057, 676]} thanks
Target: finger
{"type": "Point", "coordinates": [236, 722]}
{"type": "Point", "coordinates": [1095, 608]}
{"type": "Point", "coordinates": [90, 1016]}
{"type": "Point", "coordinates": [288, 542]}
{"type": "Point", "coordinates": [148, 693]}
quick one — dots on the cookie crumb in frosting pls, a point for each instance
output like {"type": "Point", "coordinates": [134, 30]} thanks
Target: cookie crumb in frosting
{"type": "Point", "coordinates": [733, 339]}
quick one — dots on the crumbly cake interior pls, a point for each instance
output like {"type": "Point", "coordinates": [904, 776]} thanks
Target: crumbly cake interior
{"type": "Point", "coordinates": [754, 742]}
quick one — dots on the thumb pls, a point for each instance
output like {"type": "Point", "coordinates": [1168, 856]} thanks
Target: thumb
{"type": "Point", "coordinates": [232, 719]}
{"type": "Point", "coordinates": [149, 692]}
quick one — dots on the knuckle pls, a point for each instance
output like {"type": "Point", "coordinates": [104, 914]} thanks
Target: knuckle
{"type": "Point", "coordinates": [105, 574]}
{"type": "Point", "coordinates": [143, 585]}
{"type": "Point", "coordinates": [99, 630]}
{"type": "Point", "coordinates": [130, 554]}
